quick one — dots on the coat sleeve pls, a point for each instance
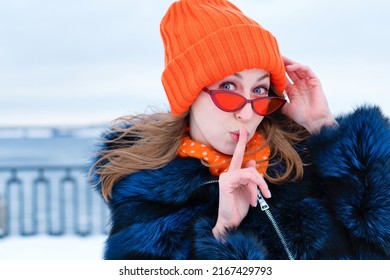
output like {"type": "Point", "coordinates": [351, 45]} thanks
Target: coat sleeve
{"type": "Point", "coordinates": [238, 244]}
{"type": "Point", "coordinates": [351, 165]}
{"type": "Point", "coordinates": [151, 215]}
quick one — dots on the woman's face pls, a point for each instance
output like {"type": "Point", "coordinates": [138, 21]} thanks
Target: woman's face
{"type": "Point", "coordinates": [219, 129]}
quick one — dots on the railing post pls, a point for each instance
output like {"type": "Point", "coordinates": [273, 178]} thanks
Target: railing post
{"type": "Point", "coordinates": [37, 192]}
{"type": "Point", "coordinates": [14, 180]}
{"type": "Point", "coordinates": [59, 202]}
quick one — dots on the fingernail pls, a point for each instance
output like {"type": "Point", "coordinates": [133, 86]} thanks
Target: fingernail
{"type": "Point", "coordinates": [268, 194]}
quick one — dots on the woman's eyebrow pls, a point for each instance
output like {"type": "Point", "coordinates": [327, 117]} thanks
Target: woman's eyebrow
{"type": "Point", "coordinates": [238, 75]}
{"type": "Point", "coordinates": [263, 77]}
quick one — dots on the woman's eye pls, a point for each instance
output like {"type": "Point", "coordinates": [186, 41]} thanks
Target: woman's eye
{"type": "Point", "coordinates": [227, 86]}
{"type": "Point", "coordinates": [260, 91]}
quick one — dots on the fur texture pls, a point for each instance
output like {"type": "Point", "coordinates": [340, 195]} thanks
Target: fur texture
{"type": "Point", "coordinates": [339, 210]}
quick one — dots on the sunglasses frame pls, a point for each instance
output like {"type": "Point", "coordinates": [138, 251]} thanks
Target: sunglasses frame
{"type": "Point", "coordinates": [251, 101]}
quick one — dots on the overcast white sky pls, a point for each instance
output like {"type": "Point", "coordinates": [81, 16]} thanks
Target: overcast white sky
{"type": "Point", "coordinates": [91, 61]}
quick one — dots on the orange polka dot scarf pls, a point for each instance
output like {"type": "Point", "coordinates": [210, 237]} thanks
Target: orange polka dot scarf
{"type": "Point", "coordinates": [218, 162]}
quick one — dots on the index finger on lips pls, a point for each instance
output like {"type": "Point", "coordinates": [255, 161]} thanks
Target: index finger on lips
{"type": "Point", "coordinates": [239, 151]}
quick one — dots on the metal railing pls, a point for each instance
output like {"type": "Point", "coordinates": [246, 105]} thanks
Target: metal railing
{"type": "Point", "coordinates": [53, 200]}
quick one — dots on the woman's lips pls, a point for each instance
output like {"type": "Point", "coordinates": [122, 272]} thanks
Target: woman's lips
{"type": "Point", "coordinates": [235, 135]}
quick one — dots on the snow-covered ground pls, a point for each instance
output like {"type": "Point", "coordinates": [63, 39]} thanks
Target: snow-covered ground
{"type": "Point", "coordinates": [43, 247]}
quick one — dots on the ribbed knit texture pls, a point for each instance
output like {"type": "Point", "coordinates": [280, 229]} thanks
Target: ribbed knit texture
{"type": "Point", "coordinates": [208, 40]}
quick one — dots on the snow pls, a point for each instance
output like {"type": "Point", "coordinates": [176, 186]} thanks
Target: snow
{"type": "Point", "coordinates": [44, 247]}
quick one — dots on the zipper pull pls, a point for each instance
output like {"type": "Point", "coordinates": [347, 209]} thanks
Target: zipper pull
{"type": "Point", "coordinates": [263, 204]}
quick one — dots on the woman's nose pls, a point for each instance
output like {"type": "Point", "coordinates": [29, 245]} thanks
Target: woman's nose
{"type": "Point", "coordinates": [246, 113]}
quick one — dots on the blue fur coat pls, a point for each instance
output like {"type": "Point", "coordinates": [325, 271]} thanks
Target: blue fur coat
{"type": "Point", "coordinates": [339, 210]}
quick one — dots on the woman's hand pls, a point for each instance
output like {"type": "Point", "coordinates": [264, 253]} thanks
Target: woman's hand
{"type": "Point", "coordinates": [238, 189]}
{"type": "Point", "coordinates": [308, 105]}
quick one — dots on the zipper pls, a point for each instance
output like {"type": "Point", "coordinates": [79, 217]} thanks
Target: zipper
{"type": "Point", "coordinates": [264, 207]}
{"type": "Point", "coordinates": [208, 182]}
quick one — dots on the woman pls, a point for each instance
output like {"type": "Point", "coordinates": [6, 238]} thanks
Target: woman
{"type": "Point", "coordinates": [234, 171]}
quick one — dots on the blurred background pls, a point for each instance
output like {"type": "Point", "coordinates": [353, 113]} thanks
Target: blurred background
{"type": "Point", "coordinates": [68, 68]}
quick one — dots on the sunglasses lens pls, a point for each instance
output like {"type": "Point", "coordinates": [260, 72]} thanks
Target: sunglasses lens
{"type": "Point", "coordinates": [229, 102]}
{"type": "Point", "coordinates": [232, 102]}
{"type": "Point", "coordinates": [267, 106]}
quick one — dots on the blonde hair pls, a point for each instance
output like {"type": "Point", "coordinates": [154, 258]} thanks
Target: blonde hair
{"type": "Point", "coordinates": [150, 141]}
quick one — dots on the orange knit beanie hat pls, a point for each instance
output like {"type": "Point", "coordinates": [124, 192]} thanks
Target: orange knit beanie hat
{"type": "Point", "coordinates": [208, 40]}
